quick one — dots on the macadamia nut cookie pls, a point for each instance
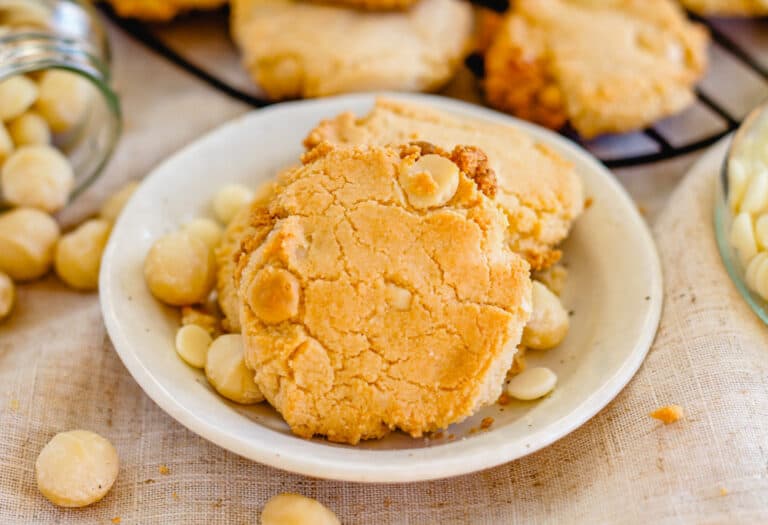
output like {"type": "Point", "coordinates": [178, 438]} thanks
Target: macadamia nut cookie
{"type": "Point", "coordinates": [538, 190]}
{"type": "Point", "coordinates": [161, 10]}
{"type": "Point", "coordinates": [383, 295]}
{"type": "Point", "coordinates": [728, 7]}
{"type": "Point", "coordinates": [607, 66]}
{"type": "Point", "coordinates": [298, 49]}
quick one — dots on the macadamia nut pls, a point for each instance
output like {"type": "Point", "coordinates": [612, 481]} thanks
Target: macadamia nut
{"type": "Point", "coordinates": [294, 509]}
{"type": "Point", "coordinates": [30, 129]}
{"type": "Point", "coordinates": [207, 230]}
{"type": "Point", "coordinates": [229, 200]}
{"type": "Point", "coordinates": [274, 295]}
{"type": "Point", "coordinates": [37, 176]}
{"type": "Point", "coordinates": [17, 94]}
{"type": "Point", "coordinates": [226, 371]}
{"type": "Point", "coordinates": [27, 240]}
{"type": "Point", "coordinates": [430, 182]}
{"type": "Point", "coordinates": [192, 343]}
{"type": "Point", "coordinates": [76, 468]}
{"type": "Point", "coordinates": [78, 254]}
{"type": "Point", "coordinates": [114, 205]}
{"type": "Point", "coordinates": [64, 99]}
{"type": "Point", "coordinates": [7, 296]}
{"type": "Point", "coordinates": [742, 237]}
{"type": "Point", "coordinates": [532, 383]}
{"type": "Point", "coordinates": [180, 269]}
{"type": "Point", "coordinates": [549, 322]}
{"type": "Point", "coordinates": [6, 143]}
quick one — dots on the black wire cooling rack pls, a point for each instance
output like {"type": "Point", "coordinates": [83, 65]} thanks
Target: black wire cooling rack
{"type": "Point", "coordinates": [737, 80]}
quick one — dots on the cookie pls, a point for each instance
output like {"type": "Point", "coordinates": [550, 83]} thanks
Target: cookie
{"type": "Point", "coordinates": [161, 10]}
{"type": "Point", "coordinates": [538, 190]}
{"type": "Point", "coordinates": [728, 7]}
{"type": "Point", "coordinates": [383, 295]}
{"type": "Point", "coordinates": [373, 5]}
{"type": "Point", "coordinates": [296, 49]}
{"type": "Point", "coordinates": [605, 66]}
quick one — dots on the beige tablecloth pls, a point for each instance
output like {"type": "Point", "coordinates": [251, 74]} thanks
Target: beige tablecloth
{"type": "Point", "coordinates": [58, 371]}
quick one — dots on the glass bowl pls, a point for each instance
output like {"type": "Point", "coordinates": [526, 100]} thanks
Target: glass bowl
{"type": "Point", "coordinates": [749, 146]}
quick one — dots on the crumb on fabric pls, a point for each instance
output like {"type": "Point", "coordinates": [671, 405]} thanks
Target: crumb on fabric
{"type": "Point", "coordinates": [668, 414]}
{"type": "Point", "coordinates": [116, 519]}
{"type": "Point", "coordinates": [175, 496]}
{"type": "Point", "coordinates": [486, 423]}
{"type": "Point", "coordinates": [164, 470]}
{"type": "Point", "coordinates": [14, 404]}
{"type": "Point", "coordinates": [723, 491]}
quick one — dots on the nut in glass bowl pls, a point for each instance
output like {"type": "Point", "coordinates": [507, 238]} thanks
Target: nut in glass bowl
{"type": "Point", "coordinates": [56, 99]}
{"type": "Point", "coordinates": [741, 210]}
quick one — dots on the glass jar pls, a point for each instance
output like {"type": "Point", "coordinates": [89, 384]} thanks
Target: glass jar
{"type": "Point", "coordinates": [741, 210]}
{"type": "Point", "coordinates": [40, 35]}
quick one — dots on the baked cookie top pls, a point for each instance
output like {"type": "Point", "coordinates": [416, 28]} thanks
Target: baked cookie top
{"type": "Point", "coordinates": [373, 5]}
{"type": "Point", "coordinates": [383, 295]}
{"type": "Point", "coordinates": [300, 49]}
{"type": "Point", "coordinates": [728, 7]}
{"type": "Point", "coordinates": [607, 66]}
{"type": "Point", "coordinates": [539, 191]}
{"type": "Point", "coordinates": [161, 10]}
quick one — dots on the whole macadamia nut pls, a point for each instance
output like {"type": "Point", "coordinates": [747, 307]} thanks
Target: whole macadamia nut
{"type": "Point", "coordinates": [295, 509]}
{"type": "Point", "coordinates": [78, 254]}
{"type": "Point", "coordinates": [17, 94]}
{"type": "Point", "coordinates": [7, 296]}
{"type": "Point", "coordinates": [114, 205]}
{"type": "Point", "coordinates": [29, 129]}
{"type": "Point", "coordinates": [27, 240]}
{"type": "Point", "coordinates": [180, 269]}
{"type": "Point", "coordinates": [64, 99]}
{"type": "Point", "coordinates": [37, 176]}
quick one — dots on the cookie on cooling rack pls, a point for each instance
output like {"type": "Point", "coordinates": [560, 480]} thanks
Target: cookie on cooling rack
{"type": "Point", "coordinates": [728, 7]}
{"type": "Point", "coordinates": [383, 296]}
{"type": "Point", "coordinates": [296, 49]}
{"type": "Point", "coordinates": [161, 10]}
{"type": "Point", "coordinates": [538, 190]}
{"type": "Point", "coordinates": [605, 66]}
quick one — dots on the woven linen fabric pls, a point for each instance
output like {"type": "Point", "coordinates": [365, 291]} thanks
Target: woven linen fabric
{"type": "Point", "coordinates": [58, 371]}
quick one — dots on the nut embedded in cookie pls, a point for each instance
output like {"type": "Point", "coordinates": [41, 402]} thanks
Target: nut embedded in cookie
{"type": "Point", "coordinates": [363, 313]}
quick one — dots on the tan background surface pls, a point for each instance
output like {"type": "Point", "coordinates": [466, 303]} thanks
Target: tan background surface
{"type": "Point", "coordinates": [58, 371]}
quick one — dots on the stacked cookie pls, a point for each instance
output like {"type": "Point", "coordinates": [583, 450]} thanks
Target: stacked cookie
{"type": "Point", "coordinates": [385, 282]}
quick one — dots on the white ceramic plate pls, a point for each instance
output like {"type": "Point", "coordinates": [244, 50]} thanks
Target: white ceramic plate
{"type": "Point", "coordinates": [614, 290]}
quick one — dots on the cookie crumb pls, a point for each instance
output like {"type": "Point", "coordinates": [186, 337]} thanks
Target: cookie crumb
{"type": "Point", "coordinates": [437, 435]}
{"type": "Point", "coordinates": [723, 491]}
{"type": "Point", "coordinates": [668, 414]}
{"type": "Point", "coordinates": [116, 519]}
{"type": "Point", "coordinates": [588, 202]}
{"type": "Point", "coordinates": [504, 399]}
{"type": "Point", "coordinates": [164, 470]}
{"type": "Point", "coordinates": [486, 423]}
{"type": "Point", "coordinates": [175, 496]}
{"type": "Point", "coordinates": [14, 405]}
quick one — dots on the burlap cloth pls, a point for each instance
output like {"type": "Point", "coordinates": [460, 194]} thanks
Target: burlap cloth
{"type": "Point", "coordinates": [58, 371]}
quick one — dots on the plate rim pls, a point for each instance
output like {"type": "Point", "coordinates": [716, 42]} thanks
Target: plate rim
{"type": "Point", "coordinates": [467, 459]}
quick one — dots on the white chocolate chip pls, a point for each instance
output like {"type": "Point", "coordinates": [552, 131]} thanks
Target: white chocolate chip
{"type": "Point", "coordinates": [192, 343]}
{"type": "Point", "coordinates": [229, 200]}
{"type": "Point", "coordinates": [207, 230]}
{"type": "Point", "coordinates": [64, 99]}
{"type": "Point", "coordinates": [76, 468]}
{"type": "Point", "coordinates": [6, 144]}
{"type": "Point", "coordinates": [17, 94]}
{"type": "Point", "coordinates": [430, 182]}
{"type": "Point", "coordinates": [29, 129]}
{"type": "Point", "coordinates": [7, 296]}
{"type": "Point", "coordinates": [549, 322]}
{"type": "Point", "coordinates": [294, 509]}
{"type": "Point", "coordinates": [78, 254]}
{"type": "Point", "coordinates": [112, 207]}
{"type": "Point", "coordinates": [756, 195]}
{"type": "Point", "coordinates": [399, 298]}
{"type": "Point", "coordinates": [27, 241]}
{"type": "Point", "coordinates": [180, 269]}
{"type": "Point", "coordinates": [742, 237]}
{"type": "Point", "coordinates": [738, 177]}
{"type": "Point", "coordinates": [532, 383]}
{"type": "Point", "coordinates": [37, 176]}
{"type": "Point", "coordinates": [226, 371]}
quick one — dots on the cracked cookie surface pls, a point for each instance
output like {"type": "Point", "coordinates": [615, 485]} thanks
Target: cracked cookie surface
{"type": "Point", "coordinates": [728, 7]}
{"type": "Point", "coordinates": [606, 66]}
{"type": "Point", "coordinates": [383, 296]}
{"type": "Point", "coordinates": [539, 191]}
{"type": "Point", "coordinates": [295, 49]}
